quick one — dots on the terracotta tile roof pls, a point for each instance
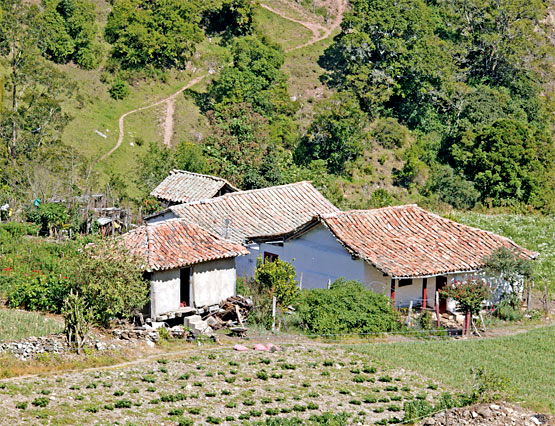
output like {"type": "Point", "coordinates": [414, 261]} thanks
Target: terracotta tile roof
{"type": "Point", "coordinates": [183, 187]}
{"type": "Point", "coordinates": [407, 241]}
{"type": "Point", "coordinates": [240, 215]}
{"type": "Point", "coordinates": [175, 243]}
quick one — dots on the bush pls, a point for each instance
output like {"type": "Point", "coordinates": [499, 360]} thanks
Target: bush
{"type": "Point", "coordinates": [278, 277]}
{"type": "Point", "coordinates": [119, 89]}
{"type": "Point", "coordinates": [347, 308]}
{"type": "Point", "coordinates": [110, 280]}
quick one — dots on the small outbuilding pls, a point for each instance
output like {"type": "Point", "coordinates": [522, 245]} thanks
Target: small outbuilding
{"type": "Point", "coordinates": [187, 266]}
{"type": "Point", "coordinates": [181, 186]}
{"type": "Point", "coordinates": [404, 252]}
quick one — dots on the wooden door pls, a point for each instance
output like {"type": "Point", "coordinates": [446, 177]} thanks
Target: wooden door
{"type": "Point", "coordinates": [441, 282]}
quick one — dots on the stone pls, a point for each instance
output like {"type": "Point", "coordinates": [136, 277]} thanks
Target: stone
{"type": "Point", "coordinates": [150, 343]}
{"type": "Point", "coordinates": [485, 412]}
{"type": "Point", "coordinates": [474, 414]}
{"type": "Point", "coordinates": [100, 346]}
{"type": "Point", "coordinates": [535, 420]}
{"type": "Point", "coordinates": [494, 407]}
{"type": "Point", "coordinates": [428, 422]}
{"type": "Point", "coordinates": [212, 322]}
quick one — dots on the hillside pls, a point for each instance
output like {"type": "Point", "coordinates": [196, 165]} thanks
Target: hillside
{"type": "Point", "coordinates": [398, 119]}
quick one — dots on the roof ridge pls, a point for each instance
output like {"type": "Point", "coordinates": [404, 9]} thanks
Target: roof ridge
{"type": "Point", "coordinates": [179, 171]}
{"type": "Point", "coordinates": [237, 193]}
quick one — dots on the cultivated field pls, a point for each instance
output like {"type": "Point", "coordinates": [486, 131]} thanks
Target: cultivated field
{"type": "Point", "coordinates": [527, 359]}
{"type": "Point", "coordinates": [214, 386]}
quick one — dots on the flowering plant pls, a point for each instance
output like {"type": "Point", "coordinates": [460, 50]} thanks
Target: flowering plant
{"type": "Point", "coordinates": [468, 293]}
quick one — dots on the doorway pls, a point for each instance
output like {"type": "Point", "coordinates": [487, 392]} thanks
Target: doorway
{"type": "Point", "coordinates": [441, 282]}
{"type": "Point", "coordinates": [185, 287]}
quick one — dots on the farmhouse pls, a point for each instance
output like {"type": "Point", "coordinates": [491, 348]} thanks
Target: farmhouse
{"type": "Point", "coordinates": [239, 216]}
{"type": "Point", "coordinates": [186, 265]}
{"type": "Point", "coordinates": [183, 187]}
{"type": "Point", "coordinates": [405, 252]}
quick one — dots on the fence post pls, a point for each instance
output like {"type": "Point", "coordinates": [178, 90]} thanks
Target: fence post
{"type": "Point", "coordinates": [274, 303]}
{"type": "Point", "coordinates": [437, 309]}
{"type": "Point", "coordinates": [409, 322]}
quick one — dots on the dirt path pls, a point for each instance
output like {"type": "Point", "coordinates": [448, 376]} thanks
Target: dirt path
{"type": "Point", "coordinates": [168, 123]}
{"type": "Point", "coordinates": [170, 99]}
{"type": "Point", "coordinates": [319, 33]}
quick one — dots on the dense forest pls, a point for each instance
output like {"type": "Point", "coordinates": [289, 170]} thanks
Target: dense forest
{"type": "Point", "coordinates": [441, 103]}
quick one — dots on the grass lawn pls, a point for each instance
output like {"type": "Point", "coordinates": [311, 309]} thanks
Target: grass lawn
{"type": "Point", "coordinates": [533, 232]}
{"type": "Point", "coordinates": [16, 324]}
{"type": "Point", "coordinates": [526, 358]}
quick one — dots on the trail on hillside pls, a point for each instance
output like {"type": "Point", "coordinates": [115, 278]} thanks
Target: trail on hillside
{"type": "Point", "coordinates": [319, 33]}
{"type": "Point", "coordinates": [170, 99]}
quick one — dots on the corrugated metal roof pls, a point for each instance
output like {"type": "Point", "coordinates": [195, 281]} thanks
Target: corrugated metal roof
{"type": "Point", "coordinates": [408, 241]}
{"type": "Point", "coordinates": [267, 211]}
{"type": "Point", "coordinates": [175, 243]}
{"type": "Point", "coordinates": [183, 187]}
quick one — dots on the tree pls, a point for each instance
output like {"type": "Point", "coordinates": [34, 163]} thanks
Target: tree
{"type": "Point", "coordinates": [70, 31]}
{"type": "Point", "coordinates": [32, 115]}
{"type": "Point", "coordinates": [278, 277]}
{"type": "Point", "coordinates": [254, 78]}
{"type": "Point", "coordinates": [336, 134]}
{"type": "Point", "coordinates": [110, 281]}
{"type": "Point", "coordinates": [231, 17]}
{"type": "Point", "coordinates": [237, 142]}
{"type": "Point", "coordinates": [161, 34]}
{"type": "Point", "coordinates": [504, 162]}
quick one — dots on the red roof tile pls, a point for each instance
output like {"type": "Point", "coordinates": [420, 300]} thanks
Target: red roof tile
{"type": "Point", "coordinates": [274, 210]}
{"type": "Point", "coordinates": [176, 243]}
{"type": "Point", "coordinates": [183, 187]}
{"type": "Point", "coordinates": [407, 241]}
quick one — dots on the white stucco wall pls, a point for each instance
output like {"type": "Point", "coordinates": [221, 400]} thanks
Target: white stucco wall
{"type": "Point", "coordinates": [213, 281]}
{"type": "Point", "coordinates": [161, 217]}
{"type": "Point", "coordinates": [164, 291]}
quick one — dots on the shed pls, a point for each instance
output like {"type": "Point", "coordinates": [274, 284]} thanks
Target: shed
{"type": "Point", "coordinates": [186, 265]}
{"type": "Point", "coordinates": [184, 187]}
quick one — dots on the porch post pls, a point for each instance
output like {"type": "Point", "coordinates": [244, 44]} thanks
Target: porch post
{"type": "Point", "coordinates": [393, 292]}
{"type": "Point", "coordinates": [424, 292]}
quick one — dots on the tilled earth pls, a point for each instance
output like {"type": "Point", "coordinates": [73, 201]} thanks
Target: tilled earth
{"type": "Point", "coordinates": [219, 386]}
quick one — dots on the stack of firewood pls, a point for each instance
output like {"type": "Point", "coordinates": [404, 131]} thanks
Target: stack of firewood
{"type": "Point", "coordinates": [232, 312]}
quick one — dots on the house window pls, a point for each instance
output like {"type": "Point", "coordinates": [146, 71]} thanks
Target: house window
{"type": "Point", "coordinates": [405, 282]}
{"type": "Point", "coordinates": [270, 257]}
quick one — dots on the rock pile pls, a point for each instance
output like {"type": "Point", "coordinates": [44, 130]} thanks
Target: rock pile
{"type": "Point", "coordinates": [488, 414]}
{"type": "Point", "coordinates": [32, 346]}
{"type": "Point", "coordinates": [231, 312]}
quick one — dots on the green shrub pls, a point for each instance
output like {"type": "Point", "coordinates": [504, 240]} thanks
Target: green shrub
{"type": "Point", "coordinates": [415, 410]}
{"type": "Point", "coordinates": [119, 89]}
{"type": "Point", "coordinates": [124, 403]}
{"type": "Point", "coordinates": [279, 278]}
{"type": "Point", "coordinates": [347, 308]}
{"type": "Point", "coordinates": [185, 422]}
{"type": "Point", "coordinates": [21, 405]}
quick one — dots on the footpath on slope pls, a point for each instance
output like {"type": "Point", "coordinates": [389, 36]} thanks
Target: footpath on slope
{"type": "Point", "coordinates": [319, 32]}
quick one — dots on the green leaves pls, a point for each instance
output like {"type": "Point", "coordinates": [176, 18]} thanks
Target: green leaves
{"type": "Point", "coordinates": [347, 308]}
{"type": "Point", "coordinates": [162, 33]}
{"type": "Point", "coordinates": [279, 278]}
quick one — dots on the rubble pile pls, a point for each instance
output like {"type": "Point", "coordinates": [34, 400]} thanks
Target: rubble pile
{"type": "Point", "coordinates": [232, 312]}
{"type": "Point", "coordinates": [488, 414]}
{"type": "Point", "coordinates": [55, 344]}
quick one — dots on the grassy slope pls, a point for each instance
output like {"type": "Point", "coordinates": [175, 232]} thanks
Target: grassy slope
{"type": "Point", "coordinates": [533, 232]}
{"type": "Point", "coordinates": [527, 359]}
{"type": "Point", "coordinates": [93, 109]}
{"type": "Point", "coordinates": [16, 324]}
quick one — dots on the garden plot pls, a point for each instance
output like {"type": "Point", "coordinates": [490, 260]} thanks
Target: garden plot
{"type": "Point", "coordinates": [220, 387]}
